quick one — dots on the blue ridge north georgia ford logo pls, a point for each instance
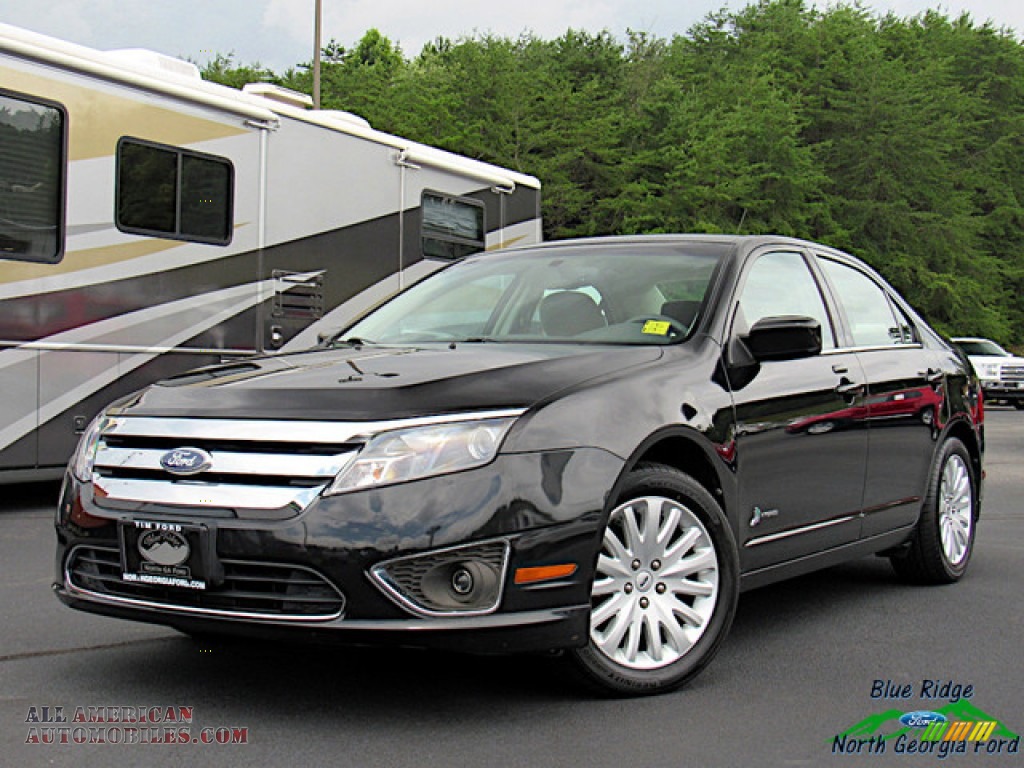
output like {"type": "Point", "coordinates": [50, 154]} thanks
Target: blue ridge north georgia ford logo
{"type": "Point", "coordinates": [186, 461]}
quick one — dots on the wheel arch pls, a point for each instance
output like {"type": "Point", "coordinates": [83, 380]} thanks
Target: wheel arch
{"type": "Point", "coordinates": [962, 431]}
{"type": "Point", "coordinates": [667, 465]}
{"type": "Point", "coordinates": [683, 449]}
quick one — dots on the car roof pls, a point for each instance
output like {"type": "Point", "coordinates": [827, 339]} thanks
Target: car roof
{"type": "Point", "coordinates": [735, 246]}
{"type": "Point", "coordinates": [748, 240]}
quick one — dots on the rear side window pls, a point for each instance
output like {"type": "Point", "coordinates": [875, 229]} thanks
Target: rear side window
{"type": "Point", "coordinates": [452, 227]}
{"type": "Point", "coordinates": [32, 161]}
{"type": "Point", "coordinates": [174, 193]}
{"type": "Point", "coordinates": [874, 322]}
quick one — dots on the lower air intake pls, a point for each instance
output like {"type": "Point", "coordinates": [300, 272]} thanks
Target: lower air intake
{"type": "Point", "coordinates": [254, 590]}
{"type": "Point", "coordinates": [459, 581]}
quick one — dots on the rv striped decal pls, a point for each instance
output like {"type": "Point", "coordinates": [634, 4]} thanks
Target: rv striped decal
{"type": "Point", "coordinates": [133, 116]}
{"type": "Point", "coordinates": [134, 275]}
{"type": "Point", "coordinates": [67, 274]}
{"type": "Point", "coordinates": [143, 335]}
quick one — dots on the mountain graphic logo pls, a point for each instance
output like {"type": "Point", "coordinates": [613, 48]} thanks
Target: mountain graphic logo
{"type": "Point", "coordinates": [886, 725]}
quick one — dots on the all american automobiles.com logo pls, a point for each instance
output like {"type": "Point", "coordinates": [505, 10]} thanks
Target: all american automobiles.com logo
{"type": "Point", "coordinates": [129, 725]}
{"type": "Point", "coordinates": [931, 729]}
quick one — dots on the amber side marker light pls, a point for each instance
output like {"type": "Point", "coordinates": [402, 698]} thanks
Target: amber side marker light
{"type": "Point", "coordinates": [544, 573]}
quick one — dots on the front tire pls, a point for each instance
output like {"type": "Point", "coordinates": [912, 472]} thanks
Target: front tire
{"type": "Point", "coordinates": [944, 538]}
{"type": "Point", "coordinates": [665, 585]}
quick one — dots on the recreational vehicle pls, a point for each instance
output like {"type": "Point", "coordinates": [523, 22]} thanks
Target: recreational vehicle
{"type": "Point", "coordinates": [152, 222]}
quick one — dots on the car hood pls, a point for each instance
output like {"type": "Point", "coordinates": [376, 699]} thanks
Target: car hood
{"type": "Point", "coordinates": [999, 359]}
{"type": "Point", "coordinates": [370, 383]}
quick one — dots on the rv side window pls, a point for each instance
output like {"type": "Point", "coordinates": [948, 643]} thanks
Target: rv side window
{"type": "Point", "coordinates": [174, 193]}
{"type": "Point", "coordinates": [453, 227]}
{"type": "Point", "coordinates": [32, 162]}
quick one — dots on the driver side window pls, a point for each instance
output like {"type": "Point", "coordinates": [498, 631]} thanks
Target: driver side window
{"type": "Point", "coordinates": [780, 284]}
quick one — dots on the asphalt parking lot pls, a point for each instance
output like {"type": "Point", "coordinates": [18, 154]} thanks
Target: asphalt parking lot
{"type": "Point", "coordinates": [800, 667]}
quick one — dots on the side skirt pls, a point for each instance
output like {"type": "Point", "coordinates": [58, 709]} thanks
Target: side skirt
{"type": "Point", "coordinates": [857, 549]}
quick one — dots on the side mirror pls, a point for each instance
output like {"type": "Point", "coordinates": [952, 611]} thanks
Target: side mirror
{"type": "Point", "coordinates": [784, 338]}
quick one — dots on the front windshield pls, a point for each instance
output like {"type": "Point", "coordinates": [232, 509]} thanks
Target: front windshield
{"type": "Point", "coordinates": [609, 294]}
{"type": "Point", "coordinates": [982, 348]}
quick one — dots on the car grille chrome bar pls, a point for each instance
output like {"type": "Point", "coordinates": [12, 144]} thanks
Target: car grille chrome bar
{"type": "Point", "coordinates": [316, 432]}
{"type": "Point", "coordinates": [228, 462]}
{"type": "Point", "coordinates": [191, 493]}
{"type": "Point", "coordinates": [1012, 373]}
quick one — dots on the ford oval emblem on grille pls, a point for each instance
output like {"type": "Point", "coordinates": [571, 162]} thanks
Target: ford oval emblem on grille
{"type": "Point", "coordinates": [164, 547]}
{"type": "Point", "coordinates": [186, 461]}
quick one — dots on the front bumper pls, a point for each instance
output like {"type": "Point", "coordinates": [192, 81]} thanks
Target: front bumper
{"type": "Point", "coordinates": [521, 632]}
{"type": "Point", "coordinates": [313, 574]}
{"type": "Point", "coordinates": [1001, 390]}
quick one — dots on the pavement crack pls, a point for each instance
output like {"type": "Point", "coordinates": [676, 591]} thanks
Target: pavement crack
{"type": "Point", "coordinates": [80, 649]}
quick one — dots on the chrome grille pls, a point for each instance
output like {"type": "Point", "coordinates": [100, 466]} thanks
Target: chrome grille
{"type": "Point", "coordinates": [259, 468]}
{"type": "Point", "coordinates": [255, 465]}
{"type": "Point", "coordinates": [1012, 373]}
{"type": "Point", "coordinates": [248, 590]}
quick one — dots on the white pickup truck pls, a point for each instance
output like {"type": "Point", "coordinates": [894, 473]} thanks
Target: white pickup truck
{"type": "Point", "coordinates": [1001, 373]}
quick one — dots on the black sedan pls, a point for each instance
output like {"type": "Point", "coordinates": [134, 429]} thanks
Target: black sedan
{"type": "Point", "coordinates": [591, 446]}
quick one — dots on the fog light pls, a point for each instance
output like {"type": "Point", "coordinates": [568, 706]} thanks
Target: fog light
{"type": "Point", "coordinates": [462, 582]}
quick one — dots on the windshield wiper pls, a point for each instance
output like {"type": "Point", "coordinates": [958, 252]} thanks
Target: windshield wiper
{"type": "Point", "coordinates": [351, 341]}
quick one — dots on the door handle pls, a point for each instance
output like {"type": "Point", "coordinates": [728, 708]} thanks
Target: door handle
{"type": "Point", "coordinates": [848, 388]}
{"type": "Point", "coordinates": [932, 375]}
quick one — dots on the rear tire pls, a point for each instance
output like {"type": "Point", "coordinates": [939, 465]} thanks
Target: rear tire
{"type": "Point", "coordinates": [944, 538]}
{"type": "Point", "coordinates": [665, 586]}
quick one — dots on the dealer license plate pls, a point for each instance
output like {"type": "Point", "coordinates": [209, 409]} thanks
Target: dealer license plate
{"type": "Point", "coordinates": [164, 553]}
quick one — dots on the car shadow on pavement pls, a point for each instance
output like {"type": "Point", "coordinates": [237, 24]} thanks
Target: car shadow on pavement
{"type": "Point", "coordinates": [374, 680]}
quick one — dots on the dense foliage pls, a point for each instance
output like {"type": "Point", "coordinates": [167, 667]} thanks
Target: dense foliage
{"type": "Point", "coordinates": [900, 140]}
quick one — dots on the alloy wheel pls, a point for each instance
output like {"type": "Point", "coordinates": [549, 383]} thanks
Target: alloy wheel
{"type": "Point", "coordinates": [656, 584]}
{"type": "Point", "coordinates": [955, 509]}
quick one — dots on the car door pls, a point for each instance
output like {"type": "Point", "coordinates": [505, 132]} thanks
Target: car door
{"type": "Point", "coordinates": [801, 446]}
{"type": "Point", "coordinates": [905, 381]}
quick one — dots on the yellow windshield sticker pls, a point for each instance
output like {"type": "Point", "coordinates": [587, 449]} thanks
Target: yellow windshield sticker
{"type": "Point", "coordinates": [657, 327]}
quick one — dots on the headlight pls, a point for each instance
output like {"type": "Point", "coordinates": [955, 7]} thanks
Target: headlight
{"type": "Point", "coordinates": [410, 454]}
{"type": "Point", "coordinates": [85, 454]}
{"type": "Point", "coordinates": [988, 370]}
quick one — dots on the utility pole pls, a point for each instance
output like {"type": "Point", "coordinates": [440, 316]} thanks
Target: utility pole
{"type": "Point", "coordinates": [316, 54]}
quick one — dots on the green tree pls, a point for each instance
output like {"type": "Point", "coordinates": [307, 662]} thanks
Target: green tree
{"type": "Point", "coordinates": [223, 69]}
{"type": "Point", "coordinates": [899, 139]}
